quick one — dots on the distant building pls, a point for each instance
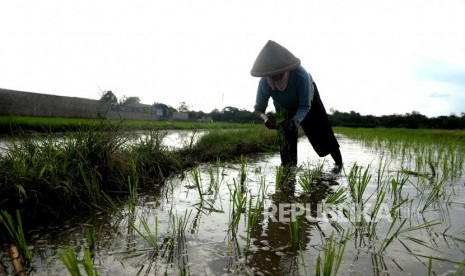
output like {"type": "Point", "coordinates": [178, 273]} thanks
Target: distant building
{"type": "Point", "coordinates": [207, 119]}
{"type": "Point", "coordinates": [159, 112]}
{"type": "Point", "coordinates": [180, 116]}
{"type": "Point", "coordinates": [138, 108]}
{"type": "Point", "coordinates": [22, 103]}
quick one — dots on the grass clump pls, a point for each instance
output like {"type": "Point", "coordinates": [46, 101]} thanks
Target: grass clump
{"type": "Point", "coordinates": [229, 144]}
{"type": "Point", "coordinates": [48, 177]}
{"type": "Point", "coordinates": [45, 175]}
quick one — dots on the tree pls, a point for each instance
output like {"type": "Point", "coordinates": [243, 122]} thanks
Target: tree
{"type": "Point", "coordinates": [164, 106]}
{"type": "Point", "coordinates": [109, 97]}
{"type": "Point", "coordinates": [183, 107]}
{"type": "Point", "coordinates": [130, 100]}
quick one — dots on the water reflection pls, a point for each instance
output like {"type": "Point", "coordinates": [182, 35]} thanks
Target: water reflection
{"type": "Point", "coordinates": [281, 238]}
{"type": "Point", "coordinates": [172, 139]}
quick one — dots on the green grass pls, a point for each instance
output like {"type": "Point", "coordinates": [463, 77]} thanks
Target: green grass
{"type": "Point", "coordinates": [231, 144]}
{"type": "Point", "coordinates": [439, 135]}
{"type": "Point", "coordinates": [16, 124]}
{"type": "Point", "coordinates": [429, 153]}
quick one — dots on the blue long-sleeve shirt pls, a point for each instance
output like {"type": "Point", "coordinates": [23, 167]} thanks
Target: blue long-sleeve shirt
{"type": "Point", "coordinates": [297, 98]}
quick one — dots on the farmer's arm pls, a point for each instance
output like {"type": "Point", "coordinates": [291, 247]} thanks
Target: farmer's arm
{"type": "Point", "coordinates": [261, 101]}
{"type": "Point", "coordinates": [305, 96]}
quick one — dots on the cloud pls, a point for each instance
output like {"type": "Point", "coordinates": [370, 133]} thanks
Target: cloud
{"type": "Point", "coordinates": [440, 71]}
{"type": "Point", "coordinates": [439, 95]}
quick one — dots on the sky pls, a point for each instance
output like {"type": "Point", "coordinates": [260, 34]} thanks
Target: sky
{"type": "Point", "coordinates": [372, 57]}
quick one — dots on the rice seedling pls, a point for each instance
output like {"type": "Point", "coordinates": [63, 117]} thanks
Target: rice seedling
{"type": "Point", "coordinates": [309, 176]}
{"type": "Point", "coordinates": [306, 182]}
{"type": "Point", "coordinates": [16, 232]}
{"type": "Point", "coordinates": [90, 238]}
{"type": "Point", "coordinates": [238, 197]}
{"type": "Point", "coordinates": [196, 177]}
{"type": "Point", "coordinates": [382, 168]}
{"type": "Point", "coordinates": [373, 221]}
{"type": "Point", "coordinates": [336, 197]}
{"type": "Point", "coordinates": [437, 193]}
{"type": "Point", "coordinates": [174, 246]}
{"type": "Point", "coordinates": [285, 177]}
{"type": "Point", "coordinates": [133, 186]}
{"type": "Point", "coordinates": [151, 237]}
{"type": "Point", "coordinates": [389, 238]}
{"type": "Point", "coordinates": [263, 187]}
{"type": "Point", "coordinates": [213, 181]}
{"type": "Point", "coordinates": [253, 215]}
{"type": "Point", "coordinates": [397, 184]}
{"type": "Point", "coordinates": [72, 263]}
{"type": "Point", "coordinates": [243, 172]}
{"type": "Point", "coordinates": [279, 177]}
{"type": "Point", "coordinates": [180, 223]}
{"type": "Point", "coordinates": [216, 175]}
{"type": "Point", "coordinates": [333, 255]}
{"type": "Point", "coordinates": [88, 264]}
{"type": "Point", "coordinates": [358, 183]}
{"type": "Point", "coordinates": [295, 232]}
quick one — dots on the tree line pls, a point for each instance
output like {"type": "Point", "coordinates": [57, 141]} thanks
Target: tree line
{"type": "Point", "coordinates": [344, 119]}
{"type": "Point", "coordinates": [354, 119]}
{"type": "Point", "coordinates": [407, 120]}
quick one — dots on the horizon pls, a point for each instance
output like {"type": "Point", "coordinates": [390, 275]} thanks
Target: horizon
{"type": "Point", "coordinates": [211, 111]}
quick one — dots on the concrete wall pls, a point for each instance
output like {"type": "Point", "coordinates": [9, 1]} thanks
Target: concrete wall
{"type": "Point", "coordinates": [34, 104]}
{"type": "Point", "coordinates": [180, 116]}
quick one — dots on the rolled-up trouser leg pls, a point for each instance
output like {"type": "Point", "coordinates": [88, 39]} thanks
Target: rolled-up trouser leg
{"type": "Point", "coordinates": [288, 147]}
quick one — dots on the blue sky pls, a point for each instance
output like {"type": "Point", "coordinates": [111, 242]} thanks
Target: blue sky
{"type": "Point", "coordinates": [373, 57]}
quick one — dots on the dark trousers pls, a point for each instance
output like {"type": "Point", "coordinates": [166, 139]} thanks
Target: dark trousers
{"type": "Point", "coordinates": [318, 130]}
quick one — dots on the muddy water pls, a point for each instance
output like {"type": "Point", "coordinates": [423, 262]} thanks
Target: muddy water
{"type": "Point", "coordinates": [208, 242]}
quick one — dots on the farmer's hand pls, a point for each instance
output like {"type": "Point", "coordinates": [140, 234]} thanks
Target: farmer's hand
{"type": "Point", "coordinates": [270, 122]}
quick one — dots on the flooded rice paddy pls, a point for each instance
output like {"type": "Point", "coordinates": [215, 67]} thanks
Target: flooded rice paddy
{"type": "Point", "coordinates": [382, 214]}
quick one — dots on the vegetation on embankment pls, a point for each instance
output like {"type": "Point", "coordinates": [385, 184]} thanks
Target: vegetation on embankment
{"type": "Point", "coordinates": [456, 136]}
{"type": "Point", "coordinates": [44, 177]}
{"type": "Point", "coordinates": [15, 124]}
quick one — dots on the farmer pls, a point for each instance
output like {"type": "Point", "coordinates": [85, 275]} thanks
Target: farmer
{"type": "Point", "coordinates": [297, 103]}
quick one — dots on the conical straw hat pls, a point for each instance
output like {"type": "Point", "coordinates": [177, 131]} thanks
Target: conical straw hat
{"type": "Point", "coordinates": [272, 60]}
